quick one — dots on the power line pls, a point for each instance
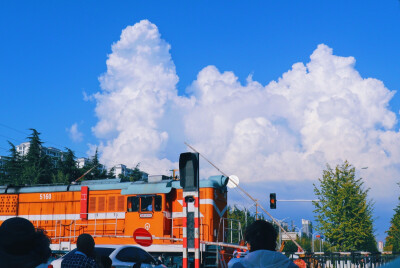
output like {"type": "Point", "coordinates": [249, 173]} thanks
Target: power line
{"type": "Point", "coordinates": [9, 138]}
{"type": "Point", "coordinates": [47, 142]}
{"type": "Point", "coordinates": [26, 134]}
{"type": "Point", "coordinates": [247, 194]}
{"type": "Point", "coordinates": [1, 124]}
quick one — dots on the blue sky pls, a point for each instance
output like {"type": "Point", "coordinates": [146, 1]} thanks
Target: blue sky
{"type": "Point", "coordinates": [54, 52]}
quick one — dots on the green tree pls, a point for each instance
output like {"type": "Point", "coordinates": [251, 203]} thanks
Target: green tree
{"type": "Point", "coordinates": [68, 165]}
{"type": "Point", "coordinates": [305, 242]}
{"type": "Point", "coordinates": [12, 169]}
{"type": "Point", "coordinates": [67, 171]}
{"type": "Point", "coordinates": [393, 234]}
{"type": "Point", "coordinates": [344, 213]}
{"type": "Point", "coordinates": [98, 171]}
{"type": "Point", "coordinates": [111, 173]}
{"type": "Point", "coordinates": [38, 167]}
{"type": "Point", "coordinates": [290, 247]}
{"type": "Point", "coordinates": [61, 177]}
{"type": "Point", "coordinates": [136, 174]}
{"type": "Point", "coordinates": [240, 218]}
{"type": "Point", "coordinates": [2, 170]}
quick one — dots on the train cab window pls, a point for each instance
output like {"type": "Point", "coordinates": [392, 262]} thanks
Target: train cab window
{"type": "Point", "coordinates": [146, 203]}
{"type": "Point", "coordinates": [133, 204]}
{"type": "Point", "coordinates": [157, 203]}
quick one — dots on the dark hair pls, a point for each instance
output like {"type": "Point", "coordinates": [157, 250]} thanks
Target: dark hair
{"type": "Point", "coordinates": [261, 235]}
{"type": "Point", "coordinates": [21, 245]}
{"type": "Point", "coordinates": [85, 244]}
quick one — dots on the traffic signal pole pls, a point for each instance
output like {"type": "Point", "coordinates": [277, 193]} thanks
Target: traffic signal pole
{"type": "Point", "coordinates": [196, 231]}
{"type": "Point", "coordinates": [189, 181]}
{"type": "Point", "coordinates": [184, 235]}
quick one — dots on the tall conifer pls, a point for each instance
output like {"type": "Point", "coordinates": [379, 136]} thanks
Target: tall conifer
{"type": "Point", "coordinates": [37, 166]}
{"type": "Point", "coordinates": [12, 168]}
{"type": "Point", "coordinates": [344, 213]}
{"type": "Point", "coordinates": [393, 234]}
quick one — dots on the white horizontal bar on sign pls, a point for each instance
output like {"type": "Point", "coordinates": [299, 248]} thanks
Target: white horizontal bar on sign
{"type": "Point", "coordinates": [143, 237]}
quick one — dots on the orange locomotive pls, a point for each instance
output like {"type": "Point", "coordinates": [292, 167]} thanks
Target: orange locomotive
{"type": "Point", "coordinates": [111, 210]}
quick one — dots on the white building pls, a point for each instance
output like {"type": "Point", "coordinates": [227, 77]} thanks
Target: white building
{"type": "Point", "coordinates": [122, 169]}
{"type": "Point", "coordinates": [54, 153]}
{"type": "Point", "coordinates": [23, 150]}
{"type": "Point", "coordinates": [306, 227]}
{"type": "Point", "coordinates": [81, 162]}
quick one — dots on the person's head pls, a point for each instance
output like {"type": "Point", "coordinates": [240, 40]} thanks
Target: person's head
{"type": "Point", "coordinates": [85, 244]}
{"type": "Point", "coordinates": [261, 235]}
{"type": "Point", "coordinates": [21, 245]}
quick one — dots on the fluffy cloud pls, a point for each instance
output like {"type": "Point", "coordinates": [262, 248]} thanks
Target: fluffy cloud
{"type": "Point", "coordinates": [74, 134]}
{"type": "Point", "coordinates": [316, 113]}
{"type": "Point", "coordinates": [138, 88]}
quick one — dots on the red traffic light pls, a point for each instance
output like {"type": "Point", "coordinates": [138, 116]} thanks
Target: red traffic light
{"type": "Point", "coordinates": [272, 200]}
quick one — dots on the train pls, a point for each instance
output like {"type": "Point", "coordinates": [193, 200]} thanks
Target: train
{"type": "Point", "coordinates": [111, 210]}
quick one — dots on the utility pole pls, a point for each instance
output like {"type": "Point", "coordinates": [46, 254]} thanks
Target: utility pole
{"type": "Point", "coordinates": [245, 216]}
{"type": "Point", "coordinates": [256, 209]}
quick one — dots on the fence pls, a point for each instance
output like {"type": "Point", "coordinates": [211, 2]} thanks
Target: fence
{"type": "Point", "coordinates": [345, 259]}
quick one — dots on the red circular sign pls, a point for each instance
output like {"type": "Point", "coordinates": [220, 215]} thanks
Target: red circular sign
{"type": "Point", "coordinates": [143, 237]}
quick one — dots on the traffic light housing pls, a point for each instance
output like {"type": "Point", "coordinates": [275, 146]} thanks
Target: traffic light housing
{"type": "Point", "coordinates": [189, 171]}
{"type": "Point", "coordinates": [272, 200]}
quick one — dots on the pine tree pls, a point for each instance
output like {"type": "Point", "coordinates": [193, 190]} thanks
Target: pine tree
{"type": "Point", "coordinates": [136, 174]}
{"type": "Point", "coordinates": [38, 168]}
{"type": "Point", "coordinates": [98, 171]}
{"type": "Point", "coordinates": [393, 234]}
{"type": "Point", "coordinates": [68, 165]}
{"type": "Point", "coordinates": [344, 214]}
{"type": "Point", "coordinates": [111, 173]}
{"type": "Point", "coordinates": [61, 178]}
{"type": "Point", "coordinates": [12, 168]}
{"type": "Point", "coordinates": [67, 170]}
{"type": "Point", "coordinates": [291, 247]}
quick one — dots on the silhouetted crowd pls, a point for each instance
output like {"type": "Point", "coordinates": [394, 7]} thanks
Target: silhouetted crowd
{"type": "Point", "coordinates": [23, 246]}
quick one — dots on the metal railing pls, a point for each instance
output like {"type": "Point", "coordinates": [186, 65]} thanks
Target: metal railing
{"type": "Point", "coordinates": [228, 230]}
{"type": "Point", "coordinates": [344, 259]}
{"type": "Point", "coordinates": [71, 229]}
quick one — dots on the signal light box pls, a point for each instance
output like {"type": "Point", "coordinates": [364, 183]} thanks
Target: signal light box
{"type": "Point", "coordinates": [189, 171]}
{"type": "Point", "coordinates": [272, 200]}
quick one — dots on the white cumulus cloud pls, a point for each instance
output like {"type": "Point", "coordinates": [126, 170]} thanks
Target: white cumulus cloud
{"type": "Point", "coordinates": [318, 112]}
{"type": "Point", "coordinates": [74, 133]}
{"type": "Point", "coordinates": [137, 92]}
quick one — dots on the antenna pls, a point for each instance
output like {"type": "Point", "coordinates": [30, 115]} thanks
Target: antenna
{"type": "Point", "coordinates": [84, 174]}
{"type": "Point", "coordinates": [247, 194]}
